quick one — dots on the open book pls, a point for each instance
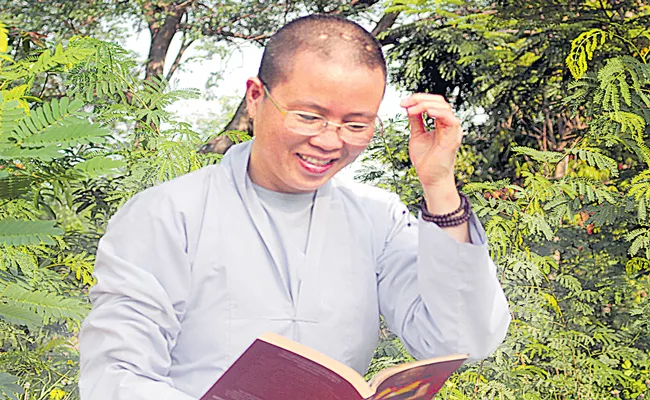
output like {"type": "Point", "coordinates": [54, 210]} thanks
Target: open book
{"type": "Point", "coordinates": [276, 368]}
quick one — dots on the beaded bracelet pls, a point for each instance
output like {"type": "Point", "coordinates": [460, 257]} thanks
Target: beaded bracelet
{"type": "Point", "coordinates": [457, 217]}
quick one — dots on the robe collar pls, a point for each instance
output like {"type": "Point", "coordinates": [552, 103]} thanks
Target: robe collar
{"type": "Point", "coordinates": [236, 159]}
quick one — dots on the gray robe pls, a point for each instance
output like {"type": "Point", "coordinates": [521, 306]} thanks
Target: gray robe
{"type": "Point", "coordinates": [188, 276]}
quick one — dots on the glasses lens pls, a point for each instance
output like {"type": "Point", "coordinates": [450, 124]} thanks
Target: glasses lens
{"type": "Point", "coordinates": [304, 123]}
{"type": "Point", "coordinates": [308, 124]}
{"type": "Point", "coordinates": [361, 134]}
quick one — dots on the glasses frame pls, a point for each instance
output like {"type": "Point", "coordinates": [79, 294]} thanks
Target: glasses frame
{"type": "Point", "coordinates": [344, 134]}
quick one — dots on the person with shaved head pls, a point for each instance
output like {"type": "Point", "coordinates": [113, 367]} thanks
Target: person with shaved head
{"type": "Point", "coordinates": [190, 272]}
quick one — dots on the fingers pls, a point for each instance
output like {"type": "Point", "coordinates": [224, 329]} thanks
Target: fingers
{"type": "Point", "coordinates": [434, 106]}
{"type": "Point", "coordinates": [443, 115]}
{"type": "Point", "coordinates": [417, 124]}
{"type": "Point", "coordinates": [423, 97]}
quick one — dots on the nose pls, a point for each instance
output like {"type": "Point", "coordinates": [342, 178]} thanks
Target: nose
{"type": "Point", "coordinates": [328, 139]}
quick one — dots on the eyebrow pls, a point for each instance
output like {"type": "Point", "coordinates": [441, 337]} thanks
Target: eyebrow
{"type": "Point", "coordinates": [298, 105]}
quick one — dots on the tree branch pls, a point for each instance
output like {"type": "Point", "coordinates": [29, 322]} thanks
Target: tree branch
{"type": "Point", "coordinates": [186, 4]}
{"type": "Point", "coordinates": [351, 5]}
{"type": "Point", "coordinates": [150, 15]}
{"type": "Point", "coordinates": [385, 23]}
{"type": "Point", "coordinates": [219, 31]}
{"type": "Point", "coordinates": [177, 60]}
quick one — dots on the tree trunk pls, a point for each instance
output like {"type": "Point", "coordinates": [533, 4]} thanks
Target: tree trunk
{"type": "Point", "coordinates": [220, 144]}
{"type": "Point", "coordinates": [239, 122]}
{"type": "Point", "coordinates": [161, 36]}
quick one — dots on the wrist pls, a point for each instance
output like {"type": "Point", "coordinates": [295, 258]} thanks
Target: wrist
{"type": "Point", "coordinates": [454, 218]}
{"type": "Point", "coordinates": [441, 198]}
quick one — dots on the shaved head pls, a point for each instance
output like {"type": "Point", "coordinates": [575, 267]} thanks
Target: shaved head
{"type": "Point", "coordinates": [328, 38]}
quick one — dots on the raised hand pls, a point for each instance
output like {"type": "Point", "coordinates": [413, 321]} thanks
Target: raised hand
{"type": "Point", "coordinates": [433, 153]}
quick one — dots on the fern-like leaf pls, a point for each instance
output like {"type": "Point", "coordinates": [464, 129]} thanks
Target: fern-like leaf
{"type": "Point", "coordinates": [640, 239]}
{"type": "Point", "coordinates": [67, 135]}
{"type": "Point", "coordinates": [12, 186]}
{"type": "Point", "coordinates": [98, 166]}
{"type": "Point", "coordinates": [10, 114]}
{"type": "Point", "coordinates": [595, 158]}
{"type": "Point", "coordinates": [17, 315]}
{"type": "Point", "coordinates": [107, 73]}
{"type": "Point", "coordinates": [18, 232]}
{"type": "Point", "coordinates": [552, 157]}
{"type": "Point", "coordinates": [630, 123]}
{"type": "Point", "coordinates": [9, 386]}
{"type": "Point", "coordinates": [582, 50]}
{"type": "Point", "coordinates": [637, 265]}
{"type": "Point", "coordinates": [49, 114]}
{"type": "Point", "coordinates": [620, 81]}
{"type": "Point", "coordinates": [66, 57]}
{"type": "Point", "coordinates": [82, 265]}
{"type": "Point", "coordinates": [11, 152]}
{"type": "Point", "coordinates": [49, 307]}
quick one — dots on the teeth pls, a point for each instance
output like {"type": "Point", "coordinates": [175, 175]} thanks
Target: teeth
{"type": "Point", "coordinates": [314, 161]}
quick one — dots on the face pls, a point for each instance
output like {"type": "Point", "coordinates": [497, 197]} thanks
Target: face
{"type": "Point", "coordinates": [284, 161]}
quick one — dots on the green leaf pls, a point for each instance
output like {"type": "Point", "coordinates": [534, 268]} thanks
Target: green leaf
{"type": "Point", "coordinates": [42, 118]}
{"type": "Point", "coordinates": [16, 232]}
{"type": "Point", "coordinates": [67, 135]}
{"type": "Point", "coordinates": [539, 155]}
{"type": "Point", "coordinates": [18, 315]}
{"type": "Point", "coordinates": [19, 153]}
{"type": "Point", "coordinates": [48, 307]}
{"type": "Point", "coordinates": [9, 387]}
{"type": "Point", "coordinates": [10, 114]}
{"type": "Point", "coordinates": [594, 158]}
{"type": "Point", "coordinates": [12, 186]}
{"type": "Point", "coordinates": [636, 265]}
{"type": "Point", "coordinates": [98, 166]}
{"type": "Point", "coordinates": [56, 112]}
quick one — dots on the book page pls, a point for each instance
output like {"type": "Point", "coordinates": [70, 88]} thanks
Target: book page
{"type": "Point", "coordinates": [267, 371]}
{"type": "Point", "coordinates": [415, 381]}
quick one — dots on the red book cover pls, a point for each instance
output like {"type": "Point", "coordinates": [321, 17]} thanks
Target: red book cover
{"type": "Point", "coordinates": [276, 368]}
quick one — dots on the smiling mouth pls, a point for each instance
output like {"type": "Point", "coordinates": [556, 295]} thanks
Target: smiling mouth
{"type": "Point", "coordinates": [316, 161]}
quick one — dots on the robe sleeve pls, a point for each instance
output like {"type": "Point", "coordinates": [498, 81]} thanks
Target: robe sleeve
{"type": "Point", "coordinates": [440, 296]}
{"type": "Point", "coordinates": [142, 270]}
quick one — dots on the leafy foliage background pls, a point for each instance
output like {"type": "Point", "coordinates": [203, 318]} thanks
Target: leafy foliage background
{"type": "Point", "coordinates": [557, 173]}
{"type": "Point", "coordinates": [67, 163]}
{"type": "Point", "coordinates": [556, 97]}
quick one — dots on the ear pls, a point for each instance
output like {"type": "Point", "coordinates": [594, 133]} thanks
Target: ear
{"type": "Point", "coordinates": [254, 95]}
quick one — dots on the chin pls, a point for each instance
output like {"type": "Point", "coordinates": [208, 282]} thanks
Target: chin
{"type": "Point", "coordinates": [311, 185]}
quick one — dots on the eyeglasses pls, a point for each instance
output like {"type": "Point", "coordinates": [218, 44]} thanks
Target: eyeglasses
{"type": "Point", "coordinates": [310, 124]}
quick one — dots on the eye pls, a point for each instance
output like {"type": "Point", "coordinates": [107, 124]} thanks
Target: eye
{"type": "Point", "coordinates": [308, 118]}
{"type": "Point", "coordinates": [356, 126]}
